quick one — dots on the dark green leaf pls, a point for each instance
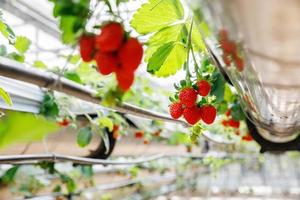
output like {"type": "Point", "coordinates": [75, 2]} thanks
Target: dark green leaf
{"type": "Point", "coordinates": [9, 175]}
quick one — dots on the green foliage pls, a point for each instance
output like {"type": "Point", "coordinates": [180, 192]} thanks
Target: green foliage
{"type": "Point", "coordinates": [179, 138]}
{"type": "Point", "coordinates": [167, 60]}
{"type": "Point", "coordinates": [84, 136]}
{"type": "Point", "coordinates": [39, 64]}
{"type": "Point", "coordinates": [18, 127]}
{"type": "Point", "coordinates": [3, 50]}
{"type": "Point", "coordinates": [72, 18]}
{"type": "Point", "coordinates": [105, 122]}
{"type": "Point", "coordinates": [6, 30]}
{"type": "Point", "coordinates": [87, 171]}
{"type": "Point", "coordinates": [218, 87]}
{"type": "Point", "coordinates": [22, 44]}
{"type": "Point", "coordinates": [5, 96]}
{"type": "Point", "coordinates": [8, 177]}
{"type": "Point", "coordinates": [17, 57]}
{"type": "Point", "coordinates": [166, 49]}
{"type": "Point", "coordinates": [49, 107]}
{"type": "Point", "coordinates": [157, 14]}
{"type": "Point", "coordinates": [237, 112]}
{"type": "Point", "coordinates": [70, 183]}
{"type": "Point", "coordinates": [73, 76]}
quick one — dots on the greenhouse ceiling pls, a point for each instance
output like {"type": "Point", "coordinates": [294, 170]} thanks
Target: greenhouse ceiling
{"type": "Point", "coordinates": [149, 99]}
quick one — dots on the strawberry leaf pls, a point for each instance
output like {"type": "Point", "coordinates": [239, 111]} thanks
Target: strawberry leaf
{"type": "Point", "coordinates": [157, 14]}
{"type": "Point", "coordinates": [167, 60]}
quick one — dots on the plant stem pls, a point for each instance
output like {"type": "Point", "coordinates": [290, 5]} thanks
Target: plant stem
{"type": "Point", "coordinates": [196, 64]}
{"type": "Point", "coordinates": [189, 44]}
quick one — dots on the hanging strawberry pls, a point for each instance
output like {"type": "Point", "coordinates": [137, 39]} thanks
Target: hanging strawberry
{"type": "Point", "coordinates": [110, 38]}
{"type": "Point", "coordinates": [131, 54]}
{"type": "Point", "coordinates": [208, 113]}
{"type": "Point", "coordinates": [106, 62]}
{"type": "Point", "coordinates": [113, 52]}
{"type": "Point", "coordinates": [87, 47]}
{"type": "Point", "coordinates": [188, 96]}
{"type": "Point", "coordinates": [203, 88]}
{"type": "Point", "coordinates": [176, 110]}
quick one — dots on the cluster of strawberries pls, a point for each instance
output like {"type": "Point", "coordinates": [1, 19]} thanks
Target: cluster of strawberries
{"type": "Point", "coordinates": [141, 134]}
{"type": "Point", "coordinates": [230, 51]}
{"type": "Point", "coordinates": [188, 107]}
{"type": "Point", "coordinates": [230, 122]}
{"type": "Point", "coordinates": [114, 51]}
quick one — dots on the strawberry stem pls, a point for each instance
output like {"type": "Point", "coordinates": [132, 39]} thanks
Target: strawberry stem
{"type": "Point", "coordinates": [199, 77]}
{"type": "Point", "coordinates": [189, 45]}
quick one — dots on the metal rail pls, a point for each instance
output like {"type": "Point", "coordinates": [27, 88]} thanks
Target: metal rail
{"type": "Point", "coordinates": [53, 157]}
{"type": "Point", "coordinates": [33, 158]}
{"type": "Point", "coordinates": [18, 71]}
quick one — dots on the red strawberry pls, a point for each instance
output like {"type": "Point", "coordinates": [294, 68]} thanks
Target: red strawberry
{"type": "Point", "coordinates": [226, 46]}
{"type": "Point", "coordinates": [139, 134]}
{"type": "Point", "coordinates": [115, 131]}
{"type": "Point", "coordinates": [226, 59]}
{"type": "Point", "coordinates": [208, 114]}
{"type": "Point", "coordinates": [115, 128]}
{"type": "Point", "coordinates": [203, 88]}
{"type": "Point", "coordinates": [176, 110]}
{"type": "Point", "coordinates": [146, 141]}
{"type": "Point", "coordinates": [188, 96]}
{"type": "Point", "coordinates": [106, 62]}
{"type": "Point", "coordinates": [125, 78]}
{"type": "Point", "coordinates": [131, 54]}
{"type": "Point", "coordinates": [234, 124]}
{"type": "Point", "coordinates": [87, 43]}
{"type": "Point", "coordinates": [223, 34]}
{"type": "Point", "coordinates": [228, 112]}
{"type": "Point", "coordinates": [64, 122]}
{"type": "Point", "coordinates": [192, 115]}
{"type": "Point", "coordinates": [110, 38]}
{"type": "Point", "coordinates": [224, 123]}
{"type": "Point", "coordinates": [247, 138]}
{"type": "Point", "coordinates": [116, 135]}
{"type": "Point", "coordinates": [239, 63]}
{"type": "Point", "coordinates": [157, 133]}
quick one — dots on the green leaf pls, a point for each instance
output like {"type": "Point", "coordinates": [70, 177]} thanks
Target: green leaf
{"type": "Point", "coordinates": [87, 171]}
{"type": "Point", "coordinates": [67, 25]}
{"type": "Point", "coordinates": [7, 32]}
{"type": "Point", "coordinates": [17, 57]}
{"type": "Point", "coordinates": [39, 64]}
{"type": "Point", "coordinates": [179, 138]}
{"type": "Point", "coordinates": [105, 122]}
{"type": "Point", "coordinates": [156, 14]}
{"type": "Point", "coordinates": [165, 35]}
{"type": "Point", "coordinates": [71, 185]}
{"type": "Point", "coordinates": [3, 50]}
{"type": "Point", "coordinates": [228, 95]}
{"type": "Point", "coordinates": [49, 107]}
{"type": "Point", "coordinates": [5, 96]}
{"type": "Point", "coordinates": [9, 175]}
{"type": "Point", "coordinates": [218, 87]}
{"type": "Point", "coordinates": [19, 127]}
{"type": "Point", "coordinates": [84, 136]}
{"type": "Point", "coordinates": [22, 44]}
{"type": "Point", "coordinates": [237, 112]}
{"type": "Point", "coordinates": [167, 60]}
{"type": "Point", "coordinates": [73, 76]}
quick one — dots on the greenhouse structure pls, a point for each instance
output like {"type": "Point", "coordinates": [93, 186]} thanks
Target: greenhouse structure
{"type": "Point", "coordinates": [149, 99]}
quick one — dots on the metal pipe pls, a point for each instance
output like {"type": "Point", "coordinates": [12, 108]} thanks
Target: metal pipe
{"type": "Point", "coordinates": [31, 158]}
